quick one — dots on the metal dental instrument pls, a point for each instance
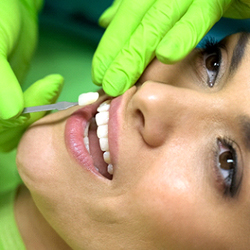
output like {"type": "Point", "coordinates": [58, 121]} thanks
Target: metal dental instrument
{"type": "Point", "coordinates": [83, 100]}
{"type": "Point", "coordinates": [56, 106]}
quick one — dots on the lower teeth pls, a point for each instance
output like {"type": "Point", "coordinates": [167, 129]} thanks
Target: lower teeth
{"type": "Point", "coordinates": [110, 169]}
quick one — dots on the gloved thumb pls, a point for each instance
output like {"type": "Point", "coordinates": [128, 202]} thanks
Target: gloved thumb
{"type": "Point", "coordinates": [108, 15]}
{"type": "Point", "coordinates": [42, 92]}
{"type": "Point", "coordinates": [11, 94]}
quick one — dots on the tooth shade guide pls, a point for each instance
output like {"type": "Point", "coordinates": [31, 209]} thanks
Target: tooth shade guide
{"type": "Point", "coordinates": [88, 98]}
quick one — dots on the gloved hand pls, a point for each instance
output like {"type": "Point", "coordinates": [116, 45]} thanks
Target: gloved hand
{"type": "Point", "coordinates": [142, 29]}
{"type": "Point", "coordinates": [18, 36]}
{"type": "Point", "coordinates": [42, 92]}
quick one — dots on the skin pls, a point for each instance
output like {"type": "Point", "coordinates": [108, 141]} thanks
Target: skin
{"type": "Point", "coordinates": [166, 193]}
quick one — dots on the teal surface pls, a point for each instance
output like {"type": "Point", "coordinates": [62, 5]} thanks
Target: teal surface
{"type": "Point", "coordinates": [75, 17]}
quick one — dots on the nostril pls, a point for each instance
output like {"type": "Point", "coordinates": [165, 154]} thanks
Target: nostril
{"type": "Point", "coordinates": [152, 128]}
{"type": "Point", "coordinates": [140, 115]}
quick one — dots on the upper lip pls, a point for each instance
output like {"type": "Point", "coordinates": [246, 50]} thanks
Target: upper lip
{"type": "Point", "coordinates": [117, 111]}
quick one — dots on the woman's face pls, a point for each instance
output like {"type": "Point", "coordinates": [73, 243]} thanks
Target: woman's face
{"type": "Point", "coordinates": [179, 145]}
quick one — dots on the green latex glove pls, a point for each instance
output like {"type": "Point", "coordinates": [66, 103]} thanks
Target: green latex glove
{"type": "Point", "coordinates": [42, 92]}
{"type": "Point", "coordinates": [18, 37]}
{"type": "Point", "coordinates": [142, 29]}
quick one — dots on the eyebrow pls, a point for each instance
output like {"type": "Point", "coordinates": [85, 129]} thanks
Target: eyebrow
{"type": "Point", "coordinates": [245, 128]}
{"type": "Point", "coordinates": [239, 52]}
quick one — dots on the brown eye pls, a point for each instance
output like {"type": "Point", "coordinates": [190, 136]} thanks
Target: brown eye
{"type": "Point", "coordinates": [212, 63]}
{"type": "Point", "coordinates": [228, 166]}
{"type": "Point", "coordinates": [226, 161]}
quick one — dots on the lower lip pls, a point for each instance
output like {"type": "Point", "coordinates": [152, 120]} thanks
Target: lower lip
{"type": "Point", "coordinates": [74, 131]}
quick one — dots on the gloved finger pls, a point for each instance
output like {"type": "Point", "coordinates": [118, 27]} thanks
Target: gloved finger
{"type": "Point", "coordinates": [117, 34]}
{"type": "Point", "coordinates": [109, 14]}
{"type": "Point", "coordinates": [191, 28]}
{"type": "Point", "coordinates": [18, 37]}
{"type": "Point", "coordinates": [38, 4]}
{"type": "Point", "coordinates": [20, 59]}
{"type": "Point", "coordinates": [42, 92]}
{"type": "Point", "coordinates": [33, 5]}
{"type": "Point", "coordinates": [11, 95]}
{"type": "Point", "coordinates": [238, 10]}
{"type": "Point", "coordinates": [10, 138]}
{"type": "Point", "coordinates": [139, 50]}
{"type": "Point", "coordinates": [14, 122]}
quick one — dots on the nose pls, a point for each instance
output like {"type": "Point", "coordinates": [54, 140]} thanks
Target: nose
{"type": "Point", "coordinates": [165, 109]}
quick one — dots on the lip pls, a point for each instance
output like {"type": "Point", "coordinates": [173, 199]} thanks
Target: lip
{"type": "Point", "coordinates": [74, 130]}
{"type": "Point", "coordinates": [76, 123]}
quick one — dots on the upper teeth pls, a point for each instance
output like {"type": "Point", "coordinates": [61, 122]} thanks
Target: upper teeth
{"type": "Point", "coordinates": [102, 118]}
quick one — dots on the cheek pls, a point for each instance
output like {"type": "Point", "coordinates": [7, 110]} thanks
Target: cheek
{"type": "Point", "coordinates": [37, 156]}
{"type": "Point", "coordinates": [32, 148]}
{"type": "Point", "coordinates": [169, 210]}
{"type": "Point", "coordinates": [169, 201]}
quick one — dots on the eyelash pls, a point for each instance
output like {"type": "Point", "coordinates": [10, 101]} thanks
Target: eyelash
{"type": "Point", "coordinates": [228, 184]}
{"type": "Point", "coordinates": [211, 47]}
{"type": "Point", "coordinates": [210, 44]}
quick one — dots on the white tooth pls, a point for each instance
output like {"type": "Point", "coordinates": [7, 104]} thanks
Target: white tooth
{"type": "Point", "coordinates": [87, 147]}
{"type": "Point", "coordinates": [102, 131]}
{"type": "Point", "coordinates": [86, 130]}
{"type": "Point", "coordinates": [104, 144]}
{"type": "Point", "coordinates": [106, 157]}
{"type": "Point", "coordinates": [104, 106]}
{"type": "Point", "coordinates": [87, 98]}
{"type": "Point", "coordinates": [86, 140]}
{"type": "Point", "coordinates": [110, 169]}
{"type": "Point", "coordinates": [102, 118]}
